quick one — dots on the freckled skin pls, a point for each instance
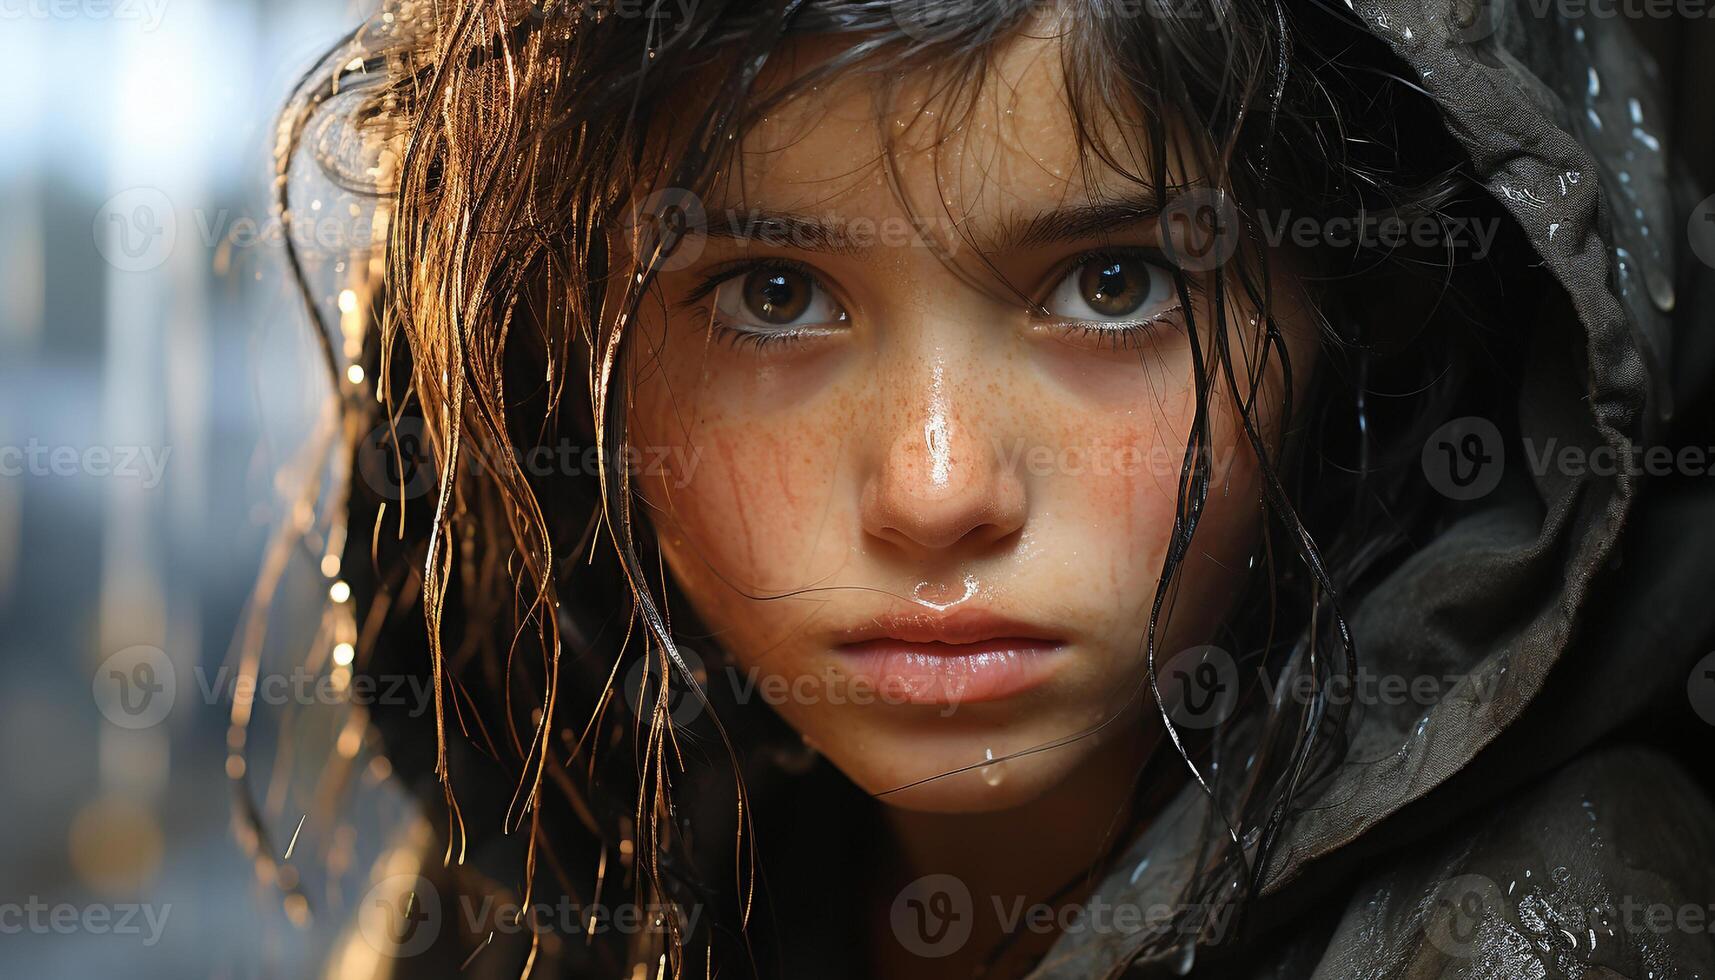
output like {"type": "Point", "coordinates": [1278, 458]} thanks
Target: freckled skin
{"type": "Point", "coordinates": [944, 443]}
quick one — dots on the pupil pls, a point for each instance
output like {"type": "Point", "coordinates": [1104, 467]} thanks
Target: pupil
{"type": "Point", "coordinates": [777, 297]}
{"type": "Point", "coordinates": [1109, 287]}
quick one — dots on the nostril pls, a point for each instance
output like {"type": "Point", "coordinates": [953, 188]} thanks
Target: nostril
{"type": "Point", "coordinates": [978, 514]}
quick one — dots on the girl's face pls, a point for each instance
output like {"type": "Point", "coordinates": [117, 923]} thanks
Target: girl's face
{"type": "Point", "coordinates": [921, 500]}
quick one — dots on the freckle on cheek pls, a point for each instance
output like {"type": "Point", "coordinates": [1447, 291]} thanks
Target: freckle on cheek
{"type": "Point", "coordinates": [732, 463]}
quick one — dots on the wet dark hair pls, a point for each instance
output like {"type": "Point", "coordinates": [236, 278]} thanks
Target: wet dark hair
{"type": "Point", "coordinates": [505, 142]}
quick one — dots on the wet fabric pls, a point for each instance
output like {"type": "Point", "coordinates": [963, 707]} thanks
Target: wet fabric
{"type": "Point", "coordinates": [1478, 838]}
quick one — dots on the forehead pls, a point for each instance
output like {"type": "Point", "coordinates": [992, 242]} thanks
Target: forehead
{"type": "Point", "coordinates": [871, 142]}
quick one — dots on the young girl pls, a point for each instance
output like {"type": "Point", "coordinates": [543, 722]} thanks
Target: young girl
{"type": "Point", "coordinates": [999, 488]}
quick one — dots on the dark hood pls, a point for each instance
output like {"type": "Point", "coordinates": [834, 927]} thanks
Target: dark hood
{"type": "Point", "coordinates": [1566, 601]}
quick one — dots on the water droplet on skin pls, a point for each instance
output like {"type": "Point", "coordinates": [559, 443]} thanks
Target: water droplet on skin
{"type": "Point", "coordinates": [994, 773]}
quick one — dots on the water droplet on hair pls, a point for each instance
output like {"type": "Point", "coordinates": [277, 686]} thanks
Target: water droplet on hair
{"type": "Point", "coordinates": [994, 773]}
{"type": "Point", "coordinates": [1187, 958]}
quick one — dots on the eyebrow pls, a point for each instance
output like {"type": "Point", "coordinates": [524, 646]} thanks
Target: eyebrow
{"type": "Point", "coordinates": [1013, 232]}
{"type": "Point", "coordinates": [1074, 223]}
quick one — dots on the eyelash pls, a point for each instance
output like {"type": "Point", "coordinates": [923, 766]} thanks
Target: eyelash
{"type": "Point", "coordinates": [1116, 336]}
{"type": "Point", "coordinates": [735, 337]}
{"type": "Point", "coordinates": [1122, 335]}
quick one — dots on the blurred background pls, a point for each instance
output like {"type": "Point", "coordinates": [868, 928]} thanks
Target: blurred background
{"type": "Point", "coordinates": [157, 380]}
{"type": "Point", "coordinates": [156, 373]}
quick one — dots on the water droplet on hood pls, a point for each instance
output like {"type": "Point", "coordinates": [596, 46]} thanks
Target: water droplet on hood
{"type": "Point", "coordinates": [1138, 871]}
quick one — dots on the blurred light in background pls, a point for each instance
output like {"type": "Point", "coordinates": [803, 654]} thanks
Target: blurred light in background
{"type": "Point", "coordinates": [151, 382]}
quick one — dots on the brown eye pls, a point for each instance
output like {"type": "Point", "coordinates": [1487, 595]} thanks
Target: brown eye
{"type": "Point", "coordinates": [778, 296]}
{"type": "Point", "coordinates": [1113, 288]}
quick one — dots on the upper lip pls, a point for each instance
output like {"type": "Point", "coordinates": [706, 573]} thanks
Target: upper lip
{"type": "Point", "coordinates": [963, 626]}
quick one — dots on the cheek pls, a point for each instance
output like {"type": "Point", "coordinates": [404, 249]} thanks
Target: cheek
{"type": "Point", "coordinates": [1114, 484]}
{"type": "Point", "coordinates": [753, 512]}
{"type": "Point", "coordinates": [753, 496]}
{"type": "Point", "coordinates": [1114, 488]}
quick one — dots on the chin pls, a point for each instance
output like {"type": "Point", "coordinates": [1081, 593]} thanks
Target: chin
{"type": "Point", "coordinates": [885, 764]}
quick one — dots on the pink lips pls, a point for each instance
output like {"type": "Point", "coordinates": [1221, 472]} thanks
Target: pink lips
{"type": "Point", "coordinates": [966, 657]}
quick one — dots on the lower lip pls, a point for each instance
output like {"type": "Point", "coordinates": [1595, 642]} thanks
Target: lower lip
{"type": "Point", "coordinates": [952, 673]}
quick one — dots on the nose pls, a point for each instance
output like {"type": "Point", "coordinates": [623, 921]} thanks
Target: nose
{"type": "Point", "coordinates": [940, 483]}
